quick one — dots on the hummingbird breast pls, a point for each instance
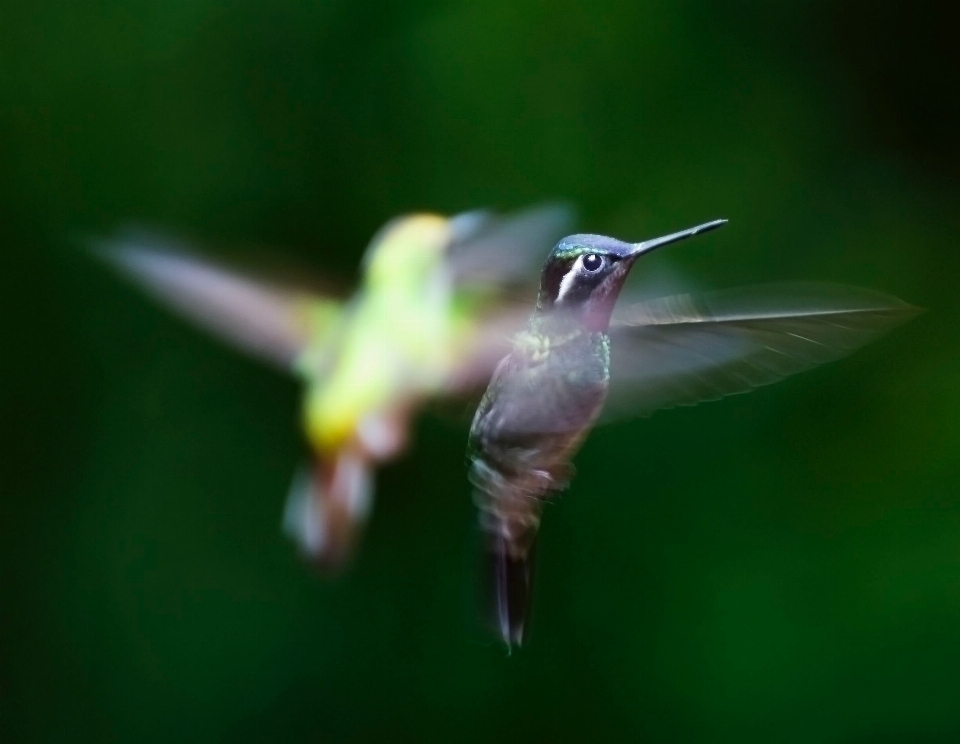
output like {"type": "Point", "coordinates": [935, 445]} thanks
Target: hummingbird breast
{"type": "Point", "coordinates": [537, 410]}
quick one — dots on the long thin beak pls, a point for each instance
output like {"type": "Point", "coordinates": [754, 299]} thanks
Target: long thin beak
{"type": "Point", "coordinates": [648, 245]}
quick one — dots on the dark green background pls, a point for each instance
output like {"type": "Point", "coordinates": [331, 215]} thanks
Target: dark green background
{"type": "Point", "coordinates": [783, 566]}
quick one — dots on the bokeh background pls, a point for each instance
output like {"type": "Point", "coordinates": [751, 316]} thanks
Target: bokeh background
{"type": "Point", "coordinates": [782, 566]}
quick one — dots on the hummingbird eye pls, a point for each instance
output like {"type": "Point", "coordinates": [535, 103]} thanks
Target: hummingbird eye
{"type": "Point", "coordinates": [592, 262]}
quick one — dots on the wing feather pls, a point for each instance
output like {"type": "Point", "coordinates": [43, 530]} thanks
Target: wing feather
{"type": "Point", "coordinates": [508, 249]}
{"type": "Point", "coordinates": [273, 323]}
{"type": "Point", "coordinates": [684, 349]}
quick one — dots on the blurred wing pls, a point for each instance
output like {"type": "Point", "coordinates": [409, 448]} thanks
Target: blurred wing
{"type": "Point", "coordinates": [491, 254]}
{"type": "Point", "coordinates": [491, 342]}
{"type": "Point", "coordinates": [271, 323]}
{"type": "Point", "coordinates": [684, 349]}
{"type": "Point", "coordinates": [504, 250]}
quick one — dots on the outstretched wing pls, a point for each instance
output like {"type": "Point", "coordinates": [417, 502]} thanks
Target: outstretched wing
{"type": "Point", "coordinates": [685, 349]}
{"type": "Point", "coordinates": [509, 249]}
{"type": "Point", "coordinates": [495, 262]}
{"type": "Point", "coordinates": [272, 323]}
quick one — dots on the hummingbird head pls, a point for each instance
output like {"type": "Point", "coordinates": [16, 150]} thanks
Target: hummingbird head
{"type": "Point", "coordinates": [583, 274]}
{"type": "Point", "coordinates": [407, 251]}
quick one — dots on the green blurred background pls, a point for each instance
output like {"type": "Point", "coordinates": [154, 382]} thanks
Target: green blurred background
{"type": "Point", "coordinates": [782, 566]}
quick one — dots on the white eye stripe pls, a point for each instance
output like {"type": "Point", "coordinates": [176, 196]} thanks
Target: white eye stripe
{"type": "Point", "coordinates": [569, 278]}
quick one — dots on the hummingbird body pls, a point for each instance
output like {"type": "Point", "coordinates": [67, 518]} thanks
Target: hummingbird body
{"type": "Point", "coordinates": [382, 365]}
{"type": "Point", "coordinates": [542, 401]}
{"type": "Point", "coordinates": [550, 391]}
{"type": "Point", "coordinates": [395, 346]}
{"type": "Point", "coordinates": [518, 464]}
{"type": "Point", "coordinates": [515, 468]}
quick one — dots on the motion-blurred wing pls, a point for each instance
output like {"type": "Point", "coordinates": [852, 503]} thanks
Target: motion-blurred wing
{"type": "Point", "coordinates": [271, 323]}
{"type": "Point", "coordinates": [491, 341]}
{"type": "Point", "coordinates": [506, 250]}
{"type": "Point", "coordinates": [684, 349]}
{"type": "Point", "coordinates": [490, 255]}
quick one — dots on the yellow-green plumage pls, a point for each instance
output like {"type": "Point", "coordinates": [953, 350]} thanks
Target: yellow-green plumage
{"type": "Point", "coordinates": [423, 323]}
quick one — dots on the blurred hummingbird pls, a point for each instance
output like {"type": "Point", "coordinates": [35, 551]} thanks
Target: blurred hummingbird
{"type": "Point", "coordinates": [430, 319]}
{"type": "Point", "coordinates": [576, 355]}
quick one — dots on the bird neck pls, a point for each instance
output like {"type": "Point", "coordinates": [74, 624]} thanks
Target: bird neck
{"type": "Point", "coordinates": [559, 325]}
{"type": "Point", "coordinates": [591, 315]}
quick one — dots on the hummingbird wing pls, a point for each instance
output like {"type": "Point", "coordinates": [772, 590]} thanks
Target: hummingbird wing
{"type": "Point", "coordinates": [489, 256]}
{"type": "Point", "coordinates": [273, 323]}
{"type": "Point", "coordinates": [684, 349]}
{"type": "Point", "coordinates": [491, 341]}
{"type": "Point", "coordinates": [500, 250]}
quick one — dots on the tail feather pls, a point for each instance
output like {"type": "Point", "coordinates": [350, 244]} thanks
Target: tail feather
{"type": "Point", "coordinates": [327, 507]}
{"type": "Point", "coordinates": [508, 573]}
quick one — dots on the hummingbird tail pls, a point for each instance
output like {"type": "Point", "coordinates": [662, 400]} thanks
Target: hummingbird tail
{"type": "Point", "coordinates": [327, 507]}
{"type": "Point", "coordinates": [508, 571]}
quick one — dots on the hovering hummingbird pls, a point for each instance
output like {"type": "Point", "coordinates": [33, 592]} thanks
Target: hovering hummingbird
{"type": "Point", "coordinates": [430, 319]}
{"type": "Point", "coordinates": [575, 355]}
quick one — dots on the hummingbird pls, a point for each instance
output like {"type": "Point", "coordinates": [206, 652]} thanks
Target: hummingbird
{"type": "Point", "coordinates": [429, 320]}
{"type": "Point", "coordinates": [578, 353]}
